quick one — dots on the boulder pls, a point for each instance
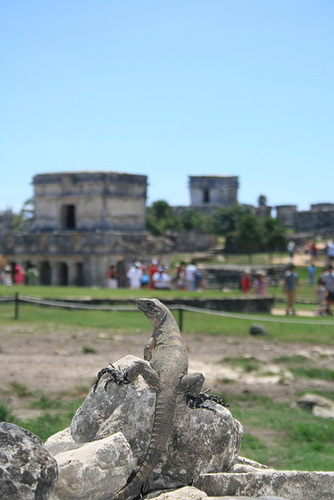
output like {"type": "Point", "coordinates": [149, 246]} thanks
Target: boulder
{"type": "Point", "coordinates": [94, 471]}
{"type": "Point", "coordinates": [318, 405]}
{"type": "Point", "coordinates": [294, 485]}
{"type": "Point", "coordinates": [27, 469]}
{"type": "Point", "coordinates": [202, 440]}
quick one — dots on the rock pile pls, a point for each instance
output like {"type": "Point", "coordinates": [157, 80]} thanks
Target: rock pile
{"type": "Point", "coordinates": [107, 442]}
{"type": "Point", "coordinates": [111, 431]}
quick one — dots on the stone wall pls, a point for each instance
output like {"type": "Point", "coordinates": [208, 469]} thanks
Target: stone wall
{"type": "Point", "coordinates": [315, 221]}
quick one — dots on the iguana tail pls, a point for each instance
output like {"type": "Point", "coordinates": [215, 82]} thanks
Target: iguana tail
{"type": "Point", "coordinates": [160, 434]}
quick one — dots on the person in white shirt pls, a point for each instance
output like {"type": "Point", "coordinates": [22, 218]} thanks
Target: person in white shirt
{"type": "Point", "coordinates": [191, 270]}
{"type": "Point", "coordinates": [161, 279]}
{"type": "Point", "coordinates": [134, 275]}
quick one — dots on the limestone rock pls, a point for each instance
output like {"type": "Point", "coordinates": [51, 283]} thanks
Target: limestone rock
{"type": "Point", "coordinates": [185, 493]}
{"type": "Point", "coordinates": [244, 464]}
{"type": "Point", "coordinates": [60, 442]}
{"type": "Point", "coordinates": [320, 406]}
{"type": "Point", "coordinates": [27, 469]}
{"type": "Point", "coordinates": [95, 470]}
{"type": "Point", "coordinates": [202, 440]}
{"type": "Point", "coordinates": [293, 485]}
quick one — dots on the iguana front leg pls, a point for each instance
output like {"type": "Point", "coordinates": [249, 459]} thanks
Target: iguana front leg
{"type": "Point", "coordinates": [119, 377]}
{"type": "Point", "coordinates": [148, 349]}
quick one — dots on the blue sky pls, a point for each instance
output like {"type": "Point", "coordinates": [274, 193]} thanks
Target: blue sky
{"type": "Point", "coordinates": [170, 89]}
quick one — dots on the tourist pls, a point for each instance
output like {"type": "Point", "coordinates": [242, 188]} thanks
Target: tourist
{"type": "Point", "coordinates": [112, 277]}
{"type": "Point", "coordinates": [145, 279]}
{"type": "Point", "coordinates": [32, 275]}
{"type": "Point", "coordinates": [261, 284]}
{"type": "Point", "coordinates": [191, 270]}
{"type": "Point", "coordinates": [291, 248]}
{"type": "Point", "coordinates": [199, 279]}
{"type": "Point", "coordinates": [313, 250]}
{"type": "Point", "coordinates": [152, 269]}
{"type": "Point", "coordinates": [311, 274]}
{"type": "Point", "coordinates": [291, 281]}
{"type": "Point", "coordinates": [180, 276]}
{"type": "Point", "coordinates": [161, 279]}
{"type": "Point", "coordinates": [246, 283]}
{"type": "Point", "coordinates": [7, 276]}
{"type": "Point", "coordinates": [134, 275]}
{"type": "Point", "coordinates": [330, 251]}
{"type": "Point", "coordinates": [328, 281]}
{"type": "Point", "coordinates": [19, 275]}
{"type": "Point", "coordinates": [321, 293]}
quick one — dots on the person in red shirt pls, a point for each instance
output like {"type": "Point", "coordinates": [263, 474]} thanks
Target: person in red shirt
{"type": "Point", "coordinates": [246, 282]}
{"type": "Point", "coordinates": [152, 269]}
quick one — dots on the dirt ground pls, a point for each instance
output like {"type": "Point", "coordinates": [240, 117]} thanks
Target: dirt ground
{"type": "Point", "coordinates": [57, 362]}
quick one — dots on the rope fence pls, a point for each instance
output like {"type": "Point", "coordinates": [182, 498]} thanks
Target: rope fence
{"type": "Point", "coordinates": [17, 299]}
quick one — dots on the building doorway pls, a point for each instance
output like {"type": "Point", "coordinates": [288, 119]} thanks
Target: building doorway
{"type": "Point", "coordinates": [62, 274]}
{"type": "Point", "coordinates": [79, 274]}
{"type": "Point", "coordinates": [45, 273]}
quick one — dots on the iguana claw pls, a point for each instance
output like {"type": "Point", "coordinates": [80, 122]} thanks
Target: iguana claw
{"type": "Point", "coordinates": [115, 375]}
{"type": "Point", "coordinates": [198, 401]}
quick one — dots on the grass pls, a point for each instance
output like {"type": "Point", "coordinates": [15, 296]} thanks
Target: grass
{"type": "Point", "coordinates": [313, 330]}
{"type": "Point", "coordinates": [55, 412]}
{"type": "Point", "coordinates": [283, 437]}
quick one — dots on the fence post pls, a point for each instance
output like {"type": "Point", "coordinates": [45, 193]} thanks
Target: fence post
{"type": "Point", "coordinates": [16, 316]}
{"type": "Point", "coordinates": [181, 319]}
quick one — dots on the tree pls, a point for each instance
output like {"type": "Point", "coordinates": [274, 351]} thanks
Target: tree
{"type": "Point", "coordinates": [22, 220]}
{"type": "Point", "coordinates": [191, 219]}
{"type": "Point", "coordinates": [262, 200]}
{"type": "Point", "coordinates": [249, 235]}
{"type": "Point", "coordinates": [274, 234]}
{"type": "Point", "coordinates": [225, 220]}
{"type": "Point", "coordinates": [161, 218]}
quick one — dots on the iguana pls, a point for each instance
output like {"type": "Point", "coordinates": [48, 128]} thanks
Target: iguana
{"type": "Point", "coordinates": [167, 374]}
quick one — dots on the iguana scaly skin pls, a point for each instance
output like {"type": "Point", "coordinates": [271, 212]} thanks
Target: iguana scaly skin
{"type": "Point", "coordinates": [167, 374]}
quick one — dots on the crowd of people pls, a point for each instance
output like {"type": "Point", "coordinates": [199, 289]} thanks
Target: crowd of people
{"type": "Point", "coordinates": [17, 275]}
{"type": "Point", "coordinates": [324, 289]}
{"type": "Point", "coordinates": [157, 275]}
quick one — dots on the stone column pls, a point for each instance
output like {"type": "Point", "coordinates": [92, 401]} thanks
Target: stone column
{"type": "Point", "coordinates": [54, 273]}
{"type": "Point", "coordinates": [71, 272]}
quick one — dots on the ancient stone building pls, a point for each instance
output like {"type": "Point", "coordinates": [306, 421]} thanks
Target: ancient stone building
{"type": "Point", "coordinates": [84, 222]}
{"type": "Point", "coordinates": [212, 191]}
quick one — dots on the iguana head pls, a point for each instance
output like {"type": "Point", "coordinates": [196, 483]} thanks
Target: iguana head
{"type": "Point", "coordinates": [153, 309]}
